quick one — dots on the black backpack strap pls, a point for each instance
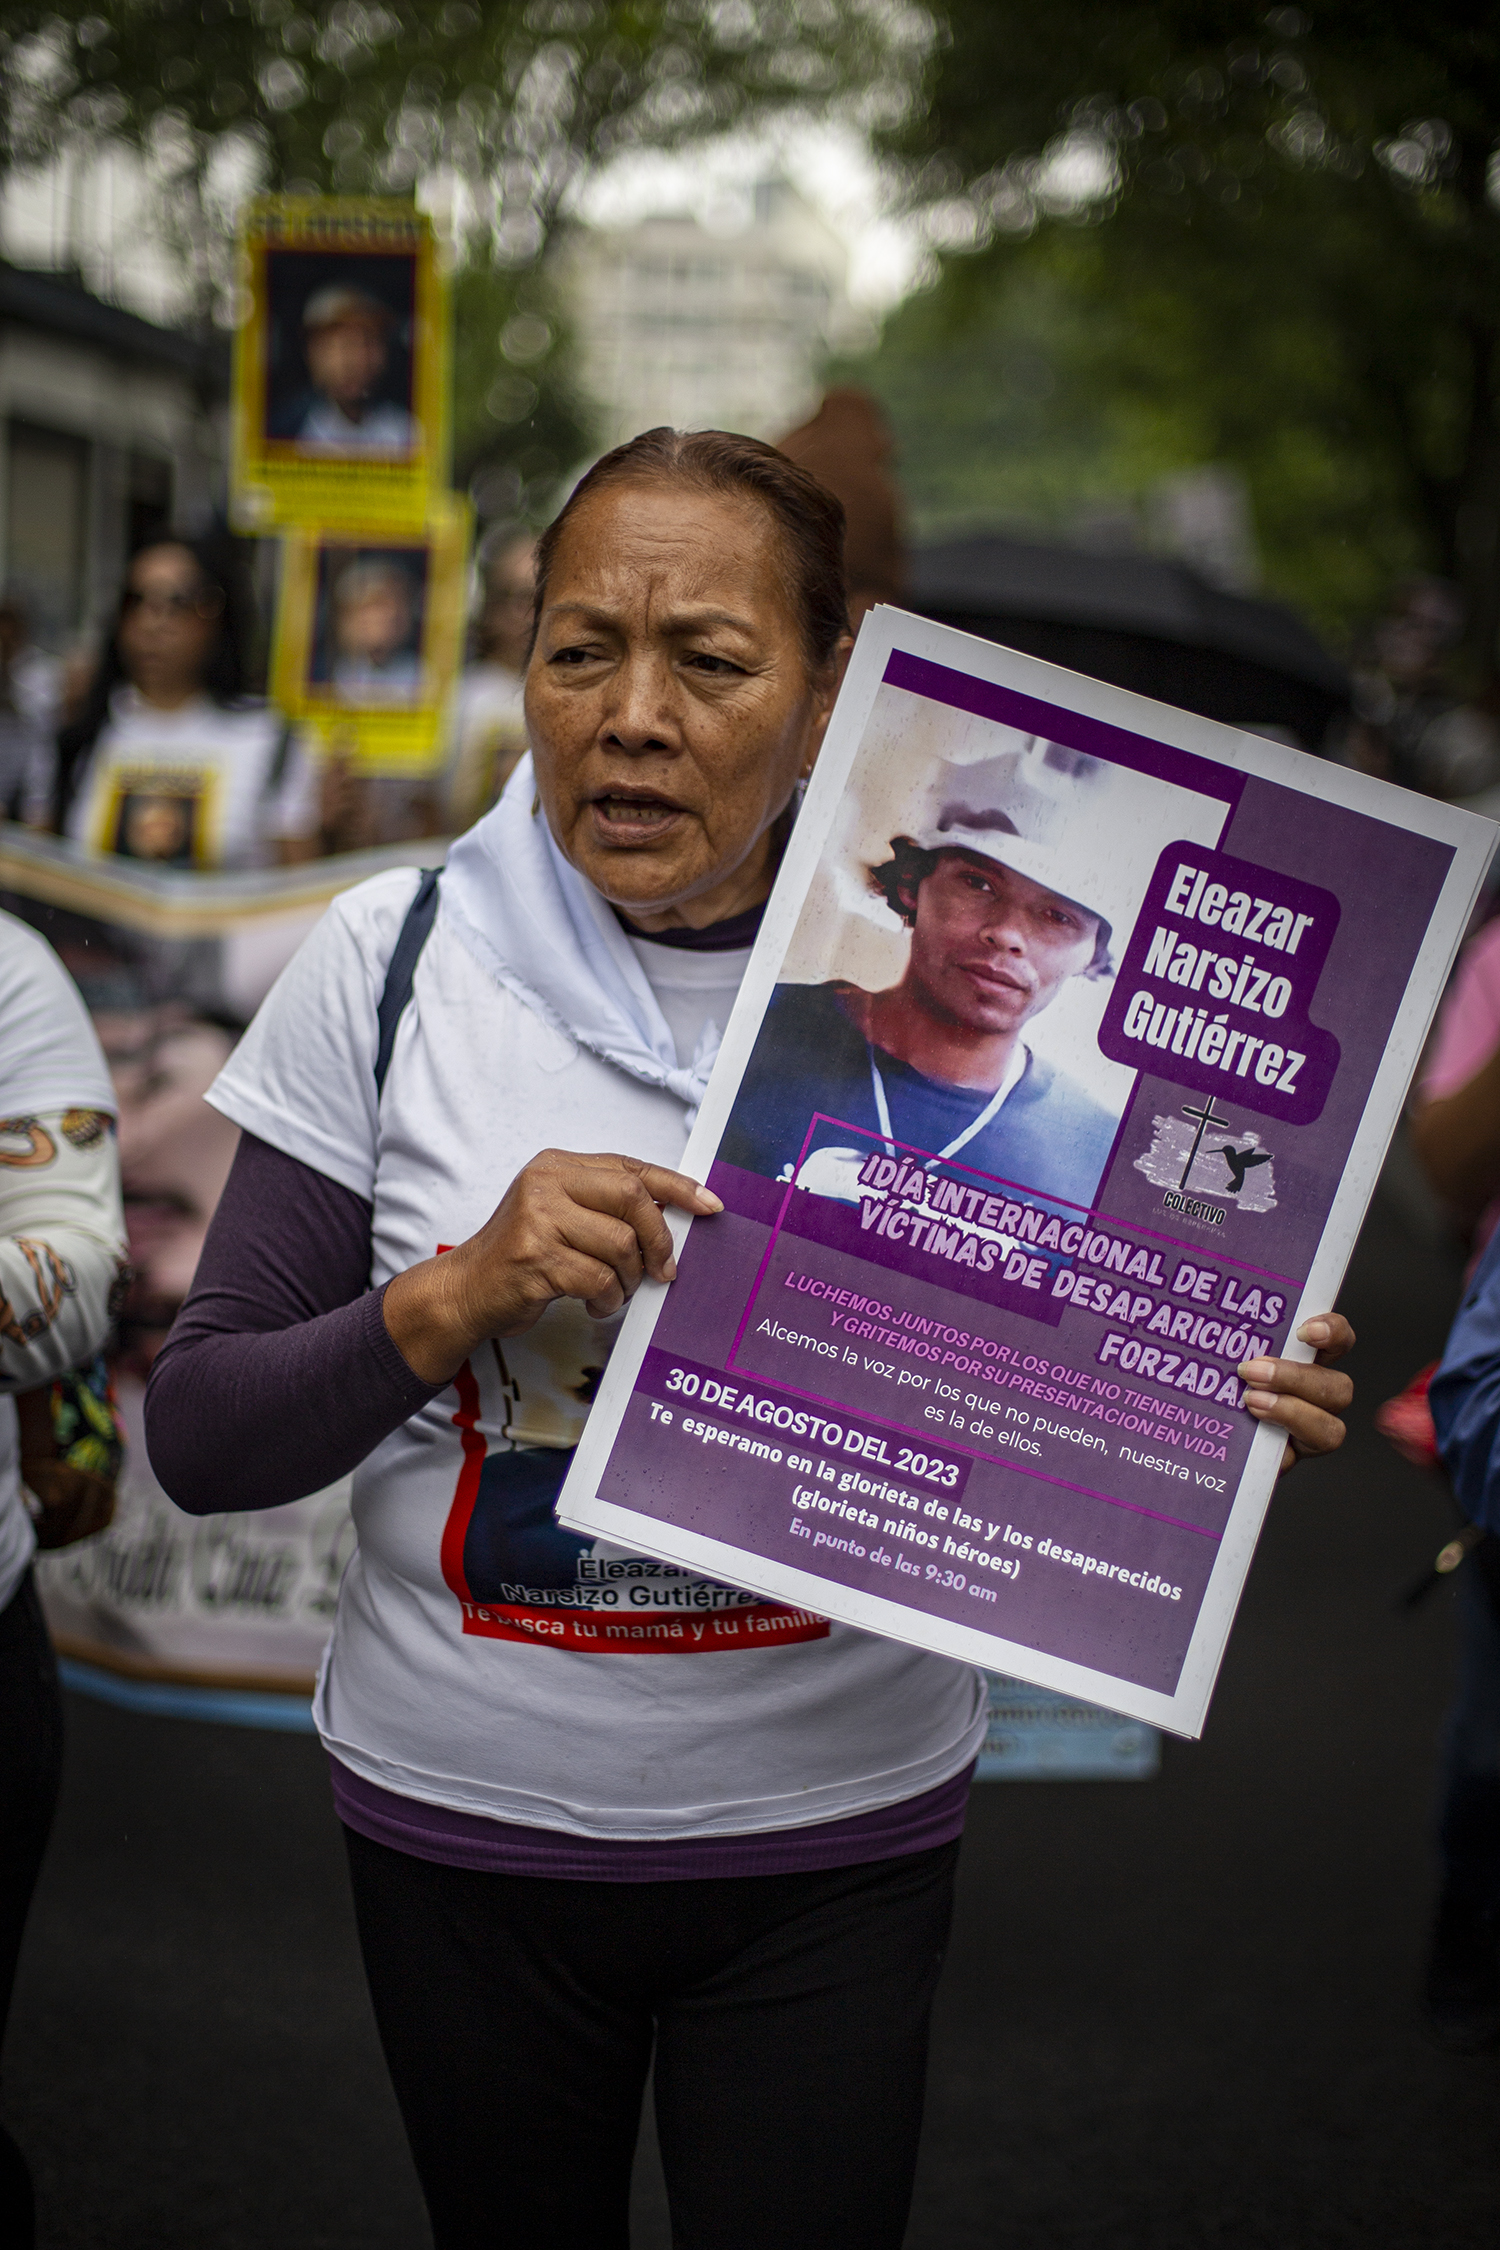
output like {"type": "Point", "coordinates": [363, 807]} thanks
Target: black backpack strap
{"type": "Point", "coordinates": [403, 967]}
{"type": "Point", "coordinates": [276, 770]}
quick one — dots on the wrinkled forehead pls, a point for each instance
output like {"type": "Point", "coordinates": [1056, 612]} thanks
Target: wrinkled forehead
{"type": "Point", "coordinates": [647, 537]}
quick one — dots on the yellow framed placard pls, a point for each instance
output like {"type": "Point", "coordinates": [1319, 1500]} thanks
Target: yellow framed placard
{"type": "Point", "coordinates": [369, 636]}
{"type": "Point", "coordinates": [342, 378]}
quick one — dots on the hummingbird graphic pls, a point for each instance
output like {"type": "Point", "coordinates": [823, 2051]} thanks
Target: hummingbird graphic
{"type": "Point", "coordinates": [1241, 1161]}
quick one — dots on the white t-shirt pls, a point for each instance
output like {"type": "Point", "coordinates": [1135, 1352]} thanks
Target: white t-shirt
{"type": "Point", "coordinates": [196, 787]}
{"type": "Point", "coordinates": [489, 1704]}
{"type": "Point", "coordinates": [59, 1193]}
{"type": "Point", "coordinates": [695, 991]}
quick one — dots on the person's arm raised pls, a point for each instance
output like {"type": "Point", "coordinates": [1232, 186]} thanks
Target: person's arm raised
{"type": "Point", "coordinates": [589, 1227]}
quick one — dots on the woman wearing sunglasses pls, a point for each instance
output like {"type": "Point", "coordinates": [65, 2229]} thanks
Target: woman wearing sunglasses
{"type": "Point", "coordinates": [168, 760]}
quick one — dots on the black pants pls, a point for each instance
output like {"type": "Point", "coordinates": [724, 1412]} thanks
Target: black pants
{"type": "Point", "coordinates": [789, 2014]}
{"type": "Point", "coordinates": [30, 1767]}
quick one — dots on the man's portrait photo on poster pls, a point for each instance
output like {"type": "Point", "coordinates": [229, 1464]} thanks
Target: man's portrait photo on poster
{"type": "Point", "coordinates": [943, 989]}
{"type": "Point", "coordinates": [370, 618]}
{"type": "Point", "coordinates": [340, 351]}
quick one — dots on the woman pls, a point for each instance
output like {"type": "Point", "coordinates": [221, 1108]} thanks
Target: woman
{"type": "Point", "coordinates": [748, 1855]}
{"type": "Point", "coordinates": [168, 760]}
{"type": "Point", "coordinates": [62, 1260]}
{"type": "Point", "coordinates": [489, 723]}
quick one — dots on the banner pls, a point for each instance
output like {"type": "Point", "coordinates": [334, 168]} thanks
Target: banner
{"type": "Point", "coordinates": [136, 933]}
{"type": "Point", "coordinates": [235, 1601]}
{"type": "Point", "coordinates": [340, 407]}
{"type": "Point", "coordinates": [1056, 1089]}
{"type": "Point", "coordinates": [369, 637]}
{"type": "Point", "coordinates": [169, 962]}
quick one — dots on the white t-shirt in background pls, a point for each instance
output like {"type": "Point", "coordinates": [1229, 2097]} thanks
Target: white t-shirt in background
{"type": "Point", "coordinates": [196, 787]}
{"type": "Point", "coordinates": [488, 740]}
{"type": "Point", "coordinates": [693, 990]}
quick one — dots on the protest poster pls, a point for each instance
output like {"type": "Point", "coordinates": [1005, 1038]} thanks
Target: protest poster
{"type": "Point", "coordinates": [340, 405]}
{"type": "Point", "coordinates": [369, 637]}
{"type": "Point", "coordinates": [1057, 1087]}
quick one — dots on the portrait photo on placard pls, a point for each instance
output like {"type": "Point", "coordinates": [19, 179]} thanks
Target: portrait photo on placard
{"type": "Point", "coordinates": [340, 373]}
{"type": "Point", "coordinates": [157, 814]}
{"type": "Point", "coordinates": [369, 624]}
{"type": "Point", "coordinates": [961, 938]}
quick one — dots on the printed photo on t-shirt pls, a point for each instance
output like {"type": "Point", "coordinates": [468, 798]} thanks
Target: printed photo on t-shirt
{"type": "Point", "coordinates": [160, 816]}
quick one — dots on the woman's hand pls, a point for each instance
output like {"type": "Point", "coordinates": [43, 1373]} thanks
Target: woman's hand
{"type": "Point", "coordinates": [1307, 1401]}
{"type": "Point", "coordinates": [568, 1226]}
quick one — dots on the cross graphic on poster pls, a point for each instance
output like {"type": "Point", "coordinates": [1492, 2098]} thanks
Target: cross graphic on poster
{"type": "Point", "coordinates": [1204, 1117]}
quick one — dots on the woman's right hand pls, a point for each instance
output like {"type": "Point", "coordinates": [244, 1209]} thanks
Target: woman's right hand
{"type": "Point", "coordinates": [568, 1226]}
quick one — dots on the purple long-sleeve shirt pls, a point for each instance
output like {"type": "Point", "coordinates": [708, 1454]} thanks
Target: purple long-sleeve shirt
{"type": "Point", "coordinates": [279, 1375]}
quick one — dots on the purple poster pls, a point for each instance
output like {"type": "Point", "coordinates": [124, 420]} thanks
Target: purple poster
{"type": "Point", "coordinates": [1057, 1088]}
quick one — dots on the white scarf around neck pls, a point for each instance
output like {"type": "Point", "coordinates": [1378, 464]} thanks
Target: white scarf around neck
{"type": "Point", "coordinates": [536, 925]}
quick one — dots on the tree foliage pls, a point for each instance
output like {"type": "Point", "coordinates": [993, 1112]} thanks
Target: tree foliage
{"type": "Point", "coordinates": [510, 97]}
{"type": "Point", "coordinates": [1051, 398]}
{"type": "Point", "coordinates": [1291, 222]}
{"type": "Point", "coordinates": [496, 106]}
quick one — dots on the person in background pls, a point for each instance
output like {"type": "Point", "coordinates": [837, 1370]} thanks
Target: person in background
{"type": "Point", "coordinates": [168, 759]}
{"type": "Point", "coordinates": [489, 723]}
{"type": "Point", "coordinates": [1410, 724]}
{"type": "Point", "coordinates": [1455, 1135]}
{"type": "Point", "coordinates": [28, 712]}
{"type": "Point", "coordinates": [848, 447]}
{"type": "Point", "coordinates": [569, 1850]}
{"type": "Point", "coordinates": [62, 1263]}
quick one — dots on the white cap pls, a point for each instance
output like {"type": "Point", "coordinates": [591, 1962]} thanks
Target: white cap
{"type": "Point", "coordinates": [1043, 810]}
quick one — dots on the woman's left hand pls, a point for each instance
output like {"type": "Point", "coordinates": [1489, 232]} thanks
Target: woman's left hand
{"type": "Point", "coordinates": [1308, 1402]}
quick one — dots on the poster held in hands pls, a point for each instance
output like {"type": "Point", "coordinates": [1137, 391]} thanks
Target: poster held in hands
{"type": "Point", "coordinates": [1056, 1089]}
{"type": "Point", "coordinates": [368, 640]}
{"type": "Point", "coordinates": [340, 407]}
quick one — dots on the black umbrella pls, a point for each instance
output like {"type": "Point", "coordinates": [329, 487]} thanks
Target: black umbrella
{"type": "Point", "coordinates": [1139, 622]}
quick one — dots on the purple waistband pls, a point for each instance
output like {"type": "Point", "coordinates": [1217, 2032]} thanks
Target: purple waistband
{"type": "Point", "coordinates": [502, 1847]}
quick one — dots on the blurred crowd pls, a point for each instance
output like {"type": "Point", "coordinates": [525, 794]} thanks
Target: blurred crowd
{"type": "Point", "coordinates": [1411, 721]}
{"type": "Point", "coordinates": [154, 745]}
{"type": "Point", "coordinates": [153, 748]}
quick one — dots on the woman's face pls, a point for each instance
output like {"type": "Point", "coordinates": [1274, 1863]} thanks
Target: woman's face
{"type": "Point", "coordinates": [169, 622]}
{"type": "Point", "coordinates": [668, 700]}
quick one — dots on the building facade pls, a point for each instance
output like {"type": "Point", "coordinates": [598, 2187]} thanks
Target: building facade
{"type": "Point", "coordinates": [110, 428]}
{"type": "Point", "coordinates": [709, 329]}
